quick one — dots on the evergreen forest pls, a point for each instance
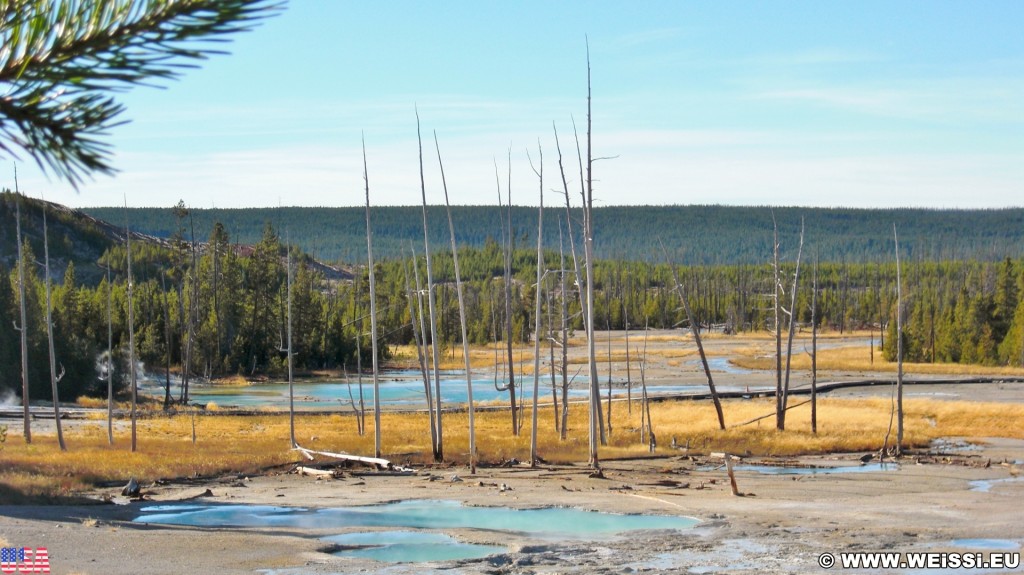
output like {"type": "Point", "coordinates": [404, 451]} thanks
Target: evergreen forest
{"type": "Point", "coordinates": [208, 304]}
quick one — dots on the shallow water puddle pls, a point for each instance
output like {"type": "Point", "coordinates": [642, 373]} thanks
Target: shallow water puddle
{"type": "Point", "coordinates": [787, 470]}
{"type": "Point", "coordinates": [409, 546]}
{"type": "Point", "coordinates": [405, 546]}
{"type": "Point", "coordinates": [418, 514]}
{"type": "Point", "coordinates": [987, 544]}
{"type": "Point", "coordinates": [986, 485]}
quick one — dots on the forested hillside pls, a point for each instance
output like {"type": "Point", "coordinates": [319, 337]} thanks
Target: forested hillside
{"type": "Point", "coordinates": [217, 307]}
{"type": "Point", "coordinates": [692, 234]}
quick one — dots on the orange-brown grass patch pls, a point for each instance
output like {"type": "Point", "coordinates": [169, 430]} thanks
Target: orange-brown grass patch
{"type": "Point", "coordinates": [232, 380]}
{"type": "Point", "coordinates": [480, 357]}
{"type": "Point", "coordinates": [859, 358]}
{"type": "Point", "coordinates": [251, 444]}
{"type": "Point", "coordinates": [93, 402]}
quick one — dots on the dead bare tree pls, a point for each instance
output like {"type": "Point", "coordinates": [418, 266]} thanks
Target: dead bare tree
{"type": "Point", "coordinates": [695, 330]}
{"type": "Point", "coordinates": [438, 447]}
{"type": "Point", "coordinates": [608, 328]}
{"type": "Point", "coordinates": [167, 339]}
{"type": "Point", "coordinates": [110, 359]}
{"type": "Point", "coordinates": [551, 358]}
{"type": "Point", "coordinates": [791, 312]}
{"type": "Point", "coordinates": [373, 312]}
{"type": "Point", "coordinates": [629, 376]}
{"type": "Point", "coordinates": [506, 246]}
{"type": "Point", "coordinates": [537, 300]}
{"type": "Point", "coordinates": [54, 378]}
{"type": "Point", "coordinates": [899, 348]}
{"type": "Point", "coordinates": [193, 315]}
{"type": "Point", "coordinates": [814, 350]}
{"type": "Point", "coordinates": [565, 332]}
{"type": "Point", "coordinates": [462, 317]}
{"type": "Point", "coordinates": [361, 412]}
{"type": "Point", "coordinates": [596, 426]}
{"type": "Point", "coordinates": [22, 327]}
{"type": "Point", "coordinates": [646, 429]}
{"type": "Point", "coordinates": [289, 350]}
{"type": "Point", "coordinates": [780, 411]}
{"type": "Point", "coordinates": [568, 223]}
{"type": "Point", "coordinates": [131, 327]}
{"type": "Point", "coordinates": [421, 351]}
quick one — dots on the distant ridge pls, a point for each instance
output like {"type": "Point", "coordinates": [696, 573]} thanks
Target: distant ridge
{"type": "Point", "coordinates": [696, 234]}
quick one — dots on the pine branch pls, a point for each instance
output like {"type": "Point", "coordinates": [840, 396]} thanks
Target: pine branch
{"type": "Point", "coordinates": [60, 59]}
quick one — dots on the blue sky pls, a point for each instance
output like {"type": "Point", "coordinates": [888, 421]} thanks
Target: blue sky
{"type": "Point", "coordinates": [864, 104]}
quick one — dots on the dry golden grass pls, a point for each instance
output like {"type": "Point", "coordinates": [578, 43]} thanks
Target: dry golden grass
{"type": "Point", "coordinates": [232, 380]}
{"type": "Point", "coordinates": [859, 358]}
{"type": "Point", "coordinates": [250, 444]}
{"type": "Point", "coordinates": [92, 402]}
{"type": "Point", "coordinates": [480, 357]}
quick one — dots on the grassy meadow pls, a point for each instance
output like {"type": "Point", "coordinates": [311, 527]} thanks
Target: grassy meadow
{"type": "Point", "coordinates": [253, 444]}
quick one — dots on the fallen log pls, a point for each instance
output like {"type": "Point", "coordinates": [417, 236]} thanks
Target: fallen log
{"type": "Point", "coordinates": [314, 471]}
{"type": "Point", "coordinates": [374, 461]}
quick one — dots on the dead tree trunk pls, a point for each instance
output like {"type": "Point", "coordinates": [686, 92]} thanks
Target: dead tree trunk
{"type": "Point", "coordinates": [422, 350]}
{"type": "Point", "coordinates": [373, 314]}
{"type": "Point", "coordinates": [608, 327]}
{"type": "Point", "coordinates": [629, 375]}
{"type": "Point", "coordinates": [462, 317]}
{"type": "Point", "coordinates": [695, 330]}
{"type": "Point", "coordinates": [54, 378]}
{"type": "Point", "coordinates": [291, 379]}
{"type": "Point", "coordinates": [110, 359]}
{"type": "Point", "coordinates": [358, 311]}
{"type": "Point", "coordinates": [193, 315]}
{"type": "Point", "coordinates": [167, 338]}
{"type": "Point", "coordinates": [131, 327]}
{"type": "Point", "coordinates": [23, 326]}
{"type": "Point", "coordinates": [899, 348]}
{"type": "Point", "coordinates": [565, 333]}
{"type": "Point", "coordinates": [596, 426]}
{"type": "Point", "coordinates": [551, 358]}
{"type": "Point", "coordinates": [537, 297]}
{"type": "Point", "coordinates": [791, 312]}
{"type": "Point", "coordinates": [779, 412]}
{"type": "Point", "coordinates": [431, 302]}
{"type": "Point", "coordinates": [507, 241]}
{"type": "Point", "coordinates": [814, 350]}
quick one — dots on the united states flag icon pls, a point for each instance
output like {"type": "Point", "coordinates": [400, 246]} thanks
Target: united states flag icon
{"type": "Point", "coordinates": [24, 560]}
